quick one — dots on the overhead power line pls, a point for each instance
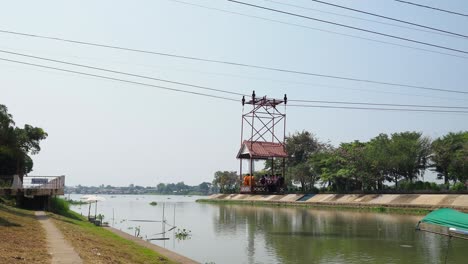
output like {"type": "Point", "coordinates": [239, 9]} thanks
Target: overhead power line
{"type": "Point", "coordinates": [380, 109]}
{"type": "Point", "coordinates": [322, 30]}
{"type": "Point", "coordinates": [377, 104]}
{"type": "Point", "coordinates": [220, 97]}
{"type": "Point", "coordinates": [434, 8]}
{"type": "Point", "coordinates": [119, 72]}
{"type": "Point", "coordinates": [213, 89]}
{"type": "Point", "coordinates": [117, 79]}
{"type": "Point", "coordinates": [389, 18]}
{"type": "Point", "coordinates": [351, 27]}
{"type": "Point", "coordinates": [198, 86]}
{"type": "Point", "coordinates": [364, 19]}
{"type": "Point", "coordinates": [240, 64]}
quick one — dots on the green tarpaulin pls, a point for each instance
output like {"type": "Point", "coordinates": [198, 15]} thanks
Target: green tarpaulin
{"type": "Point", "coordinates": [447, 217]}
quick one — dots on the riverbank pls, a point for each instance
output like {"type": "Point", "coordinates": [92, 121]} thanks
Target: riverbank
{"type": "Point", "coordinates": [22, 239]}
{"type": "Point", "coordinates": [414, 203]}
{"type": "Point", "coordinates": [170, 254]}
{"type": "Point", "coordinates": [106, 245]}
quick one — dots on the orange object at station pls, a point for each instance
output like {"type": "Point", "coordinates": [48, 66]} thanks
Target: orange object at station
{"type": "Point", "coordinates": [249, 179]}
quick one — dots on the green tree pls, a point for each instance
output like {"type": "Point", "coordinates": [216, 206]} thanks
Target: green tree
{"type": "Point", "coordinates": [448, 154]}
{"type": "Point", "coordinates": [161, 188]}
{"type": "Point", "coordinates": [300, 147]}
{"type": "Point", "coordinates": [411, 153]}
{"type": "Point", "coordinates": [381, 160]}
{"type": "Point", "coordinates": [16, 144]}
{"type": "Point", "coordinates": [204, 187]}
{"type": "Point", "coordinates": [459, 166]}
{"type": "Point", "coordinates": [226, 181]}
{"type": "Point", "coordinates": [345, 168]}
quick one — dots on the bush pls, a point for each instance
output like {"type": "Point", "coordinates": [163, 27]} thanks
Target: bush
{"type": "Point", "coordinates": [434, 186]}
{"type": "Point", "coordinates": [59, 206]}
{"type": "Point", "coordinates": [418, 186]}
{"type": "Point", "coordinates": [459, 186]}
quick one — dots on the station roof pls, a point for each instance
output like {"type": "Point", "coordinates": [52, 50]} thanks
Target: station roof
{"type": "Point", "coordinates": [261, 150]}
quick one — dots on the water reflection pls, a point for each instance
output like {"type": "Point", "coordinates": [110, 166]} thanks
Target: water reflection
{"type": "Point", "coordinates": [233, 234]}
{"type": "Point", "coordinates": [299, 235]}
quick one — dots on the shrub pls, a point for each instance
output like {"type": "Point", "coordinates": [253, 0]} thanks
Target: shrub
{"type": "Point", "coordinates": [59, 206]}
{"type": "Point", "coordinates": [435, 187]}
{"type": "Point", "coordinates": [459, 186]}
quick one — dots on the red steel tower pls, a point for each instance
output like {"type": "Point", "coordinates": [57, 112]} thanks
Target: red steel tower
{"type": "Point", "coordinates": [263, 135]}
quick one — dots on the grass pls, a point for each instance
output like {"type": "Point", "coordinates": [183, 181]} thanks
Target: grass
{"type": "Point", "coordinates": [98, 245]}
{"type": "Point", "coordinates": [22, 239]}
{"type": "Point", "coordinates": [377, 209]}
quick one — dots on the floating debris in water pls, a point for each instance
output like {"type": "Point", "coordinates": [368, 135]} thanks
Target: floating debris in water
{"type": "Point", "coordinates": [406, 246]}
{"type": "Point", "coordinates": [183, 234]}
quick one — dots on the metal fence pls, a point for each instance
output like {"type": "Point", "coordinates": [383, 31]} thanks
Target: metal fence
{"type": "Point", "coordinates": [43, 182]}
{"type": "Point", "coordinates": [32, 182]}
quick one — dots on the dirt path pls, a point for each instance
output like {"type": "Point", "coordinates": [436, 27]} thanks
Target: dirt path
{"type": "Point", "coordinates": [61, 251]}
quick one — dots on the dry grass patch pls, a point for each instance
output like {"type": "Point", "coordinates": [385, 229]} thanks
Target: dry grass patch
{"type": "Point", "coordinates": [97, 245]}
{"type": "Point", "coordinates": [22, 239]}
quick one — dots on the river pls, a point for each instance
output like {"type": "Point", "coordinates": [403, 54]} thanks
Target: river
{"type": "Point", "coordinates": [225, 234]}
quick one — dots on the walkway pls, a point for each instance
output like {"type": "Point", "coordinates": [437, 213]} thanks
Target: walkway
{"type": "Point", "coordinates": [62, 252]}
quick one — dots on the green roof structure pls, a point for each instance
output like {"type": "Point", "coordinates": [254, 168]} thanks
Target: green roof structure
{"type": "Point", "coordinates": [456, 221]}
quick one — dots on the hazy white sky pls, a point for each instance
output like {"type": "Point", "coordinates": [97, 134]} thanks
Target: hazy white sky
{"type": "Point", "coordinates": [106, 132]}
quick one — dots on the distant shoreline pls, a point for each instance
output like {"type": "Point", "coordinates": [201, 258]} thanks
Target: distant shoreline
{"type": "Point", "coordinates": [138, 194]}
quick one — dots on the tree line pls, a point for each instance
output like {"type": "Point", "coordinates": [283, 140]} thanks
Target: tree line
{"type": "Point", "coordinates": [396, 161]}
{"type": "Point", "coordinates": [179, 188]}
{"type": "Point", "coordinates": [17, 144]}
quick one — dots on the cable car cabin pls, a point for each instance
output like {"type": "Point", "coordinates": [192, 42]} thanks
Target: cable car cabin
{"type": "Point", "coordinates": [272, 182]}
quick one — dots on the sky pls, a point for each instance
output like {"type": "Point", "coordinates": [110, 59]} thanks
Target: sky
{"type": "Point", "coordinates": [109, 132]}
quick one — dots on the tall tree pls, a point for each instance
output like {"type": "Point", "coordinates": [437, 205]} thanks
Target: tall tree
{"type": "Point", "coordinates": [300, 147]}
{"type": "Point", "coordinates": [16, 144]}
{"type": "Point", "coordinates": [226, 181]}
{"type": "Point", "coordinates": [447, 152]}
{"type": "Point", "coordinates": [381, 160]}
{"type": "Point", "coordinates": [411, 152]}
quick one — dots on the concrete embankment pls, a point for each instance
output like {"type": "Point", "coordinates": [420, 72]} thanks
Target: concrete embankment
{"type": "Point", "coordinates": [401, 201]}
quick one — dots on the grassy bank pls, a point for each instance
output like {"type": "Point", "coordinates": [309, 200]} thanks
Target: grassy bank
{"type": "Point", "coordinates": [98, 245]}
{"type": "Point", "coordinates": [22, 239]}
{"type": "Point", "coordinates": [378, 209]}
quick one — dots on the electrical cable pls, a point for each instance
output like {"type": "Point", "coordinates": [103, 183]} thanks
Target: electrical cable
{"type": "Point", "coordinates": [321, 30]}
{"type": "Point", "coordinates": [204, 87]}
{"type": "Point", "coordinates": [350, 27]}
{"type": "Point", "coordinates": [363, 19]}
{"type": "Point", "coordinates": [119, 72]}
{"type": "Point", "coordinates": [236, 63]}
{"type": "Point", "coordinates": [224, 98]}
{"type": "Point", "coordinates": [377, 104]}
{"type": "Point", "coordinates": [380, 109]}
{"type": "Point", "coordinates": [389, 18]}
{"type": "Point", "coordinates": [434, 8]}
{"type": "Point", "coordinates": [117, 79]}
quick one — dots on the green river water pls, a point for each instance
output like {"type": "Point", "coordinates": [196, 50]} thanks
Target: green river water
{"type": "Point", "coordinates": [223, 233]}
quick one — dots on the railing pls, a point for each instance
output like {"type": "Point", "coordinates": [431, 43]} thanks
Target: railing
{"type": "Point", "coordinates": [265, 189]}
{"type": "Point", "coordinates": [32, 185]}
{"type": "Point", "coordinates": [44, 182]}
